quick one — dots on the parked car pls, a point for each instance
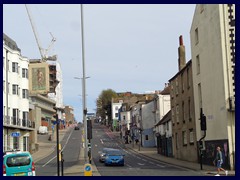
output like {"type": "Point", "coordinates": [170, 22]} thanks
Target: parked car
{"type": "Point", "coordinates": [18, 163]}
{"type": "Point", "coordinates": [114, 157]}
{"type": "Point", "coordinates": [76, 128]}
{"type": "Point", "coordinates": [42, 130]}
{"type": "Point", "coordinates": [102, 154]}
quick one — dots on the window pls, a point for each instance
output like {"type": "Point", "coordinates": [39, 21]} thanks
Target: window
{"type": "Point", "coordinates": [25, 143]}
{"type": "Point", "coordinates": [15, 143]}
{"type": "Point", "coordinates": [15, 89]}
{"type": "Point", "coordinates": [177, 113]}
{"type": "Point", "coordinates": [182, 81]}
{"type": "Point", "coordinates": [25, 94]}
{"type": "Point", "coordinates": [116, 115]}
{"type": "Point", "coordinates": [24, 73]}
{"type": "Point", "coordinates": [198, 64]}
{"type": "Point", "coordinates": [25, 118]}
{"type": "Point", "coordinates": [183, 113]}
{"type": "Point", "coordinates": [184, 136]}
{"type": "Point", "coordinates": [176, 86]}
{"type": "Point", "coordinates": [176, 135]}
{"type": "Point", "coordinates": [15, 67]}
{"type": "Point", "coordinates": [189, 109]}
{"type": "Point", "coordinates": [173, 120]}
{"type": "Point", "coordinates": [146, 137]}
{"type": "Point", "coordinates": [15, 117]}
{"type": "Point", "coordinates": [188, 78]}
{"type": "Point", "coordinates": [191, 136]}
{"type": "Point", "coordinates": [196, 36]}
{"type": "Point", "coordinates": [200, 95]}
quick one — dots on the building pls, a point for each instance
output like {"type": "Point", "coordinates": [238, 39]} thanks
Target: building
{"type": "Point", "coordinates": [17, 126]}
{"type": "Point", "coordinates": [115, 113]}
{"type": "Point", "coordinates": [213, 62]}
{"type": "Point", "coordinates": [164, 135]}
{"type": "Point", "coordinates": [162, 105]}
{"type": "Point", "coordinates": [69, 115]}
{"type": "Point", "coordinates": [182, 109]}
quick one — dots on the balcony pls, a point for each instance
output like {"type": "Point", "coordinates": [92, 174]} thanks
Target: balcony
{"type": "Point", "coordinates": [13, 122]}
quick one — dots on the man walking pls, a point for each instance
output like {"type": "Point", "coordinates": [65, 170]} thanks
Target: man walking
{"type": "Point", "coordinates": [219, 161]}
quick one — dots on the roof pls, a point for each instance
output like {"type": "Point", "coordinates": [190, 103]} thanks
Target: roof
{"type": "Point", "coordinates": [182, 70]}
{"type": "Point", "coordinates": [10, 43]}
{"type": "Point", "coordinates": [166, 118]}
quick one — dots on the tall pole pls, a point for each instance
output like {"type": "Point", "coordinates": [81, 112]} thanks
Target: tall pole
{"type": "Point", "coordinates": [84, 87]}
{"type": "Point", "coordinates": [57, 131]}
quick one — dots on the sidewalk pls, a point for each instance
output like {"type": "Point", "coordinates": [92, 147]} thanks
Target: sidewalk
{"type": "Point", "coordinates": [152, 153]}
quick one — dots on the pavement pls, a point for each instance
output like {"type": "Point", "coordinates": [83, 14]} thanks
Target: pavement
{"type": "Point", "coordinates": [47, 147]}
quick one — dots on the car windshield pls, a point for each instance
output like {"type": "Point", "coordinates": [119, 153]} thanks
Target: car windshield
{"type": "Point", "coordinates": [114, 153]}
{"type": "Point", "coordinates": [19, 160]}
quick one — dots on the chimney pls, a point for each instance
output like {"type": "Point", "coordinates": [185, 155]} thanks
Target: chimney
{"type": "Point", "coordinates": [181, 54]}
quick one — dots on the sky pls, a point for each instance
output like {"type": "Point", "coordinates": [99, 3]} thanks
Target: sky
{"type": "Point", "coordinates": [128, 47]}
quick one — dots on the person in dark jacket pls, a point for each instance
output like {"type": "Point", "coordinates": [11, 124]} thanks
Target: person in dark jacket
{"type": "Point", "coordinates": [218, 161]}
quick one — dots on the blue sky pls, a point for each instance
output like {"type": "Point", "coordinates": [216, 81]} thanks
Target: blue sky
{"type": "Point", "coordinates": [128, 47]}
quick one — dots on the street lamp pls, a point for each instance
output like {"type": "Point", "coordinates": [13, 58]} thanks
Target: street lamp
{"type": "Point", "coordinates": [84, 115]}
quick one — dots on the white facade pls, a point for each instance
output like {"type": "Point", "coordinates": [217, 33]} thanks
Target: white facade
{"type": "Point", "coordinates": [213, 48]}
{"type": "Point", "coordinates": [125, 120]}
{"type": "Point", "coordinates": [163, 106]}
{"type": "Point", "coordinates": [115, 108]}
{"type": "Point", "coordinates": [15, 97]}
{"type": "Point", "coordinates": [58, 96]}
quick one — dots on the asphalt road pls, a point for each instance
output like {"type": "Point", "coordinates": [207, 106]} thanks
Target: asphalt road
{"type": "Point", "coordinates": [71, 144]}
{"type": "Point", "coordinates": [135, 163]}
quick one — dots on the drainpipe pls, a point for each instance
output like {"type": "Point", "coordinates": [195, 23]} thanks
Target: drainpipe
{"type": "Point", "coordinates": [7, 91]}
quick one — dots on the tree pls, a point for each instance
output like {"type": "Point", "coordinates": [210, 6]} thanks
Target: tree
{"type": "Point", "coordinates": [104, 104]}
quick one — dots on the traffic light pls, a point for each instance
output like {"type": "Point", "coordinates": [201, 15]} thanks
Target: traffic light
{"type": "Point", "coordinates": [203, 123]}
{"type": "Point", "coordinates": [89, 129]}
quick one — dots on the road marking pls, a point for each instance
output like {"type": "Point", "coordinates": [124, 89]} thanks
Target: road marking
{"type": "Point", "coordinates": [95, 145]}
{"type": "Point", "coordinates": [101, 141]}
{"type": "Point", "coordinates": [140, 164]}
{"type": "Point", "coordinates": [151, 162]}
{"type": "Point", "coordinates": [128, 165]}
{"type": "Point", "coordinates": [144, 159]}
{"type": "Point", "coordinates": [160, 165]}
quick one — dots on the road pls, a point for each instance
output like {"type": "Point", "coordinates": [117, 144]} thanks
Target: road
{"type": "Point", "coordinates": [135, 163]}
{"type": "Point", "coordinates": [71, 145]}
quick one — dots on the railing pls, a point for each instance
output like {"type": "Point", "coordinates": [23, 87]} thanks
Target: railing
{"type": "Point", "coordinates": [13, 121]}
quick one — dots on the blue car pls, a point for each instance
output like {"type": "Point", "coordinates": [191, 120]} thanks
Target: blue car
{"type": "Point", "coordinates": [114, 157]}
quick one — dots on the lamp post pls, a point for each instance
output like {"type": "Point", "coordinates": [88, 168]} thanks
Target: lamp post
{"type": "Point", "coordinates": [84, 115]}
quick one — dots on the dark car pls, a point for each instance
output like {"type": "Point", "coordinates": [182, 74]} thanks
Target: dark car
{"type": "Point", "coordinates": [76, 128]}
{"type": "Point", "coordinates": [114, 157]}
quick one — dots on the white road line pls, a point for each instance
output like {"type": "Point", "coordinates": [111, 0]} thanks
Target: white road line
{"type": "Point", "coordinates": [138, 157]}
{"type": "Point", "coordinates": [151, 162]}
{"type": "Point", "coordinates": [144, 159]}
{"type": "Point", "coordinates": [140, 164]}
{"type": "Point", "coordinates": [101, 141]}
{"type": "Point", "coordinates": [160, 165]}
{"type": "Point", "coordinates": [62, 149]}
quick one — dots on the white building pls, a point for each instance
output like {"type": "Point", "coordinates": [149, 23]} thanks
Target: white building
{"type": "Point", "coordinates": [16, 124]}
{"type": "Point", "coordinates": [213, 61]}
{"type": "Point", "coordinates": [115, 113]}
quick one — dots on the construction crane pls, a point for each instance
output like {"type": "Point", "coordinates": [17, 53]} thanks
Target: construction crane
{"type": "Point", "coordinates": [43, 52]}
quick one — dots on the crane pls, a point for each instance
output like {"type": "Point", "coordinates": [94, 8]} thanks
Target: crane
{"type": "Point", "coordinates": [43, 52]}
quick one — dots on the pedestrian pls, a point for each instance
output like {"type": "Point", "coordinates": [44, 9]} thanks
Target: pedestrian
{"type": "Point", "coordinates": [219, 161]}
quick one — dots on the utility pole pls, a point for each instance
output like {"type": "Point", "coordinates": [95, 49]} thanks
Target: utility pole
{"type": "Point", "coordinates": [84, 87]}
{"type": "Point", "coordinates": [57, 131]}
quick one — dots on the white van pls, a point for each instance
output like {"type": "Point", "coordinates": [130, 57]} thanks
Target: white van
{"type": "Point", "coordinates": [42, 130]}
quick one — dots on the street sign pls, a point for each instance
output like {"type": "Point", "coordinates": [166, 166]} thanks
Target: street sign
{"type": "Point", "coordinates": [15, 134]}
{"type": "Point", "coordinates": [87, 170]}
